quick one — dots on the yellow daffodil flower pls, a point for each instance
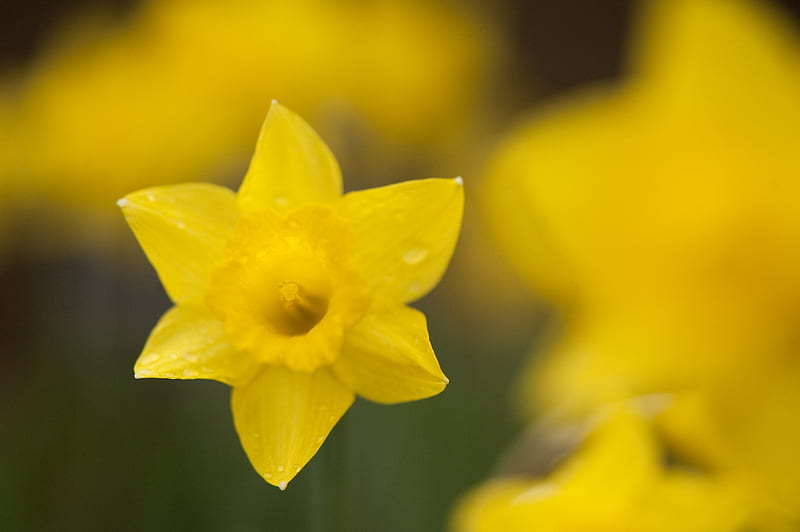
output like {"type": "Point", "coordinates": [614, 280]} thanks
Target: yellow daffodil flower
{"type": "Point", "coordinates": [746, 428]}
{"type": "Point", "coordinates": [662, 216]}
{"type": "Point", "coordinates": [294, 294]}
{"type": "Point", "coordinates": [616, 481]}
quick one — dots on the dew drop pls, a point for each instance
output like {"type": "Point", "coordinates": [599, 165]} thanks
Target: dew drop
{"type": "Point", "coordinates": [173, 356]}
{"type": "Point", "coordinates": [280, 468]}
{"type": "Point", "coordinates": [282, 485]}
{"type": "Point", "coordinates": [170, 374]}
{"type": "Point", "coordinates": [206, 370]}
{"type": "Point", "coordinates": [189, 373]}
{"type": "Point", "coordinates": [267, 475]}
{"type": "Point", "coordinates": [415, 255]}
{"type": "Point", "coordinates": [150, 196]}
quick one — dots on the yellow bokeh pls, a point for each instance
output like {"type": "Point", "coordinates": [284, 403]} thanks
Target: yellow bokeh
{"type": "Point", "coordinates": [176, 92]}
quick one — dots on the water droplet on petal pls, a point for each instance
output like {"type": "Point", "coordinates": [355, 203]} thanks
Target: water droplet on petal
{"type": "Point", "coordinates": [280, 468]}
{"type": "Point", "coordinates": [415, 255]}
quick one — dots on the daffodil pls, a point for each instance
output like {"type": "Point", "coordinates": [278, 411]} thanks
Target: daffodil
{"type": "Point", "coordinates": [662, 215]}
{"type": "Point", "coordinates": [616, 480]}
{"type": "Point", "coordinates": [294, 294]}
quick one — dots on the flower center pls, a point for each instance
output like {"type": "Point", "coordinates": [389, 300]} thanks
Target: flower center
{"type": "Point", "coordinates": [299, 310]}
{"type": "Point", "coordinates": [285, 289]}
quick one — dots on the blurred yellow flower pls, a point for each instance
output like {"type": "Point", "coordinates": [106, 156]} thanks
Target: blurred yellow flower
{"type": "Point", "coordinates": [746, 428]}
{"type": "Point", "coordinates": [617, 480]}
{"type": "Point", "coordinates": [294, 294]}
{"type": "Point", "coordinates": [170, 95]}
{"type": "Point", "coordinates": [662, 216]}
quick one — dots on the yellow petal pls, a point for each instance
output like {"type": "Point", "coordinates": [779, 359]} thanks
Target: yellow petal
{"type": "Point", "coordinates": [623, 439]}
{"type": "Point", "coordinates": [491, 507]}
{"type": "Point", "coordinates": [291, 166]}
{"type": "Point", "coordinates": [283, 417]}
{"type": "Point", "coordinates": [387, 358]}
{"type": "Point", "coordinates": [405, 233]}
{"type": "Point", "coordinates": [182, 230]}
{"type": "Point", "coordinates": [190, 343]}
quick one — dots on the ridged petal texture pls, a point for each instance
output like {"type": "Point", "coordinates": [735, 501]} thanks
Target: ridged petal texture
{"type": "Point", "coordinates": [404, 234]}
{"type": "Point", "coordinates": [291, 166]}
{"type": "Point", "coordinates": [283, 417]}
{"type": "Point", "coordinates": [190, 343]}
{"type": "Point", "coordinates": [388, 358]}
{"type": "Point", "coordinates": [182, 230]}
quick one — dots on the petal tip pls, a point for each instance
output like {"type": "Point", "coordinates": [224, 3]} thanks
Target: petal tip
{"type": "Point", "coordinates": [143, 373]}
{"type": "Point", "coordinates": [122, 203]}
{"type": "Point", "coordinates": [282, 485]}
{"type": "Point", "coordinates": [459, 181]}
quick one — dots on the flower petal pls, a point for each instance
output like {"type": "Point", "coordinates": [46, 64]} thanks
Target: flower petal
{"type": "Point", "coordinates": [283, 417]}
{"type": "Point", "coordinates": [405, 233]}
{"type": "Point", "coordinates": [190, 343]}
{"type": "Point", "coordinates": [182, 230]}
{"type": "Point", "coordinates": [291, 166]}
{"type": "Point", "coordinates": [387, 358]}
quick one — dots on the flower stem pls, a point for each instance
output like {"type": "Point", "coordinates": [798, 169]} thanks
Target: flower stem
{"type": "Point", "coordinates": [328, 491]}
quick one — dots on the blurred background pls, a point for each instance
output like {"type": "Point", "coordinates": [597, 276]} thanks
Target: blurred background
{"type": "Point", "coordinates": [98, 99]}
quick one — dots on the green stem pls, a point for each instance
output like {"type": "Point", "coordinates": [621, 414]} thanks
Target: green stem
{"type": "Point", "coordinates": [328, 490]}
